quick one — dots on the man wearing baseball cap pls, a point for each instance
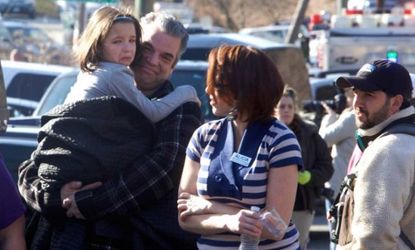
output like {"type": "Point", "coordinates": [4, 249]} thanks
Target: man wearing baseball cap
{"type": "Point", "coordinates": [380, 205]}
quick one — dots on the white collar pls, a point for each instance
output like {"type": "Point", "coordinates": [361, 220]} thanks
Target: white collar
{"type": "Point", "coordinates": [376, 129]}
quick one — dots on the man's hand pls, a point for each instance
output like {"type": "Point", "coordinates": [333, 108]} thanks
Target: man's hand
{"type": "Point", "coordinates": [326, 107]}
{"type": "Point", "coordinates": [73, 210]}
{"type": "Point", "coordinates": [70, 188]}
{"type": "Point", "coordinates": [68, 197]}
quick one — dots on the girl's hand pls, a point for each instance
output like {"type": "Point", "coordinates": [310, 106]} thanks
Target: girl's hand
{"type": "Point", "coordinates": [188, 204]}
{"type": "Point", "coordinates": [246, 222]}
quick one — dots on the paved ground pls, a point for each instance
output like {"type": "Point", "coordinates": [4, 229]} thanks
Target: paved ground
{"type": "Point", "coordinates": [319, 234]}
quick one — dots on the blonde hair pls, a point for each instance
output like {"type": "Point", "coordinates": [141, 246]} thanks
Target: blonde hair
{"type": "Point", "coordinates": [88, 53]}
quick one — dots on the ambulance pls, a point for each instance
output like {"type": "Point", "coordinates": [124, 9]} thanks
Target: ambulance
{"type": "Point", "coordinates": [362, 32]}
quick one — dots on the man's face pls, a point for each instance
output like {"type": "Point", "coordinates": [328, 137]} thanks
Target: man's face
{"type": "Point", "coordinates": [372, 108]}
{"type": "Point", "coordinates": [160, 52]}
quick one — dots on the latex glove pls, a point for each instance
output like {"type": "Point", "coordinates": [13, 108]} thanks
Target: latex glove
{"type": "Point", "coordinates": [304, 177]}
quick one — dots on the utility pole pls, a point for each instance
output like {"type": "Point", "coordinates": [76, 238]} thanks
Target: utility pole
{"type": "Point", "coordinates": [142, 7]}
{"type": "Point", "coordinates": [81, 18]}
{"type": "Point", "coordinates": [298, 19]}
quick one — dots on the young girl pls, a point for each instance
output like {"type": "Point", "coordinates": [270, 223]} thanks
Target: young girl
{"type": "Point", "coordinates": [107, 47]}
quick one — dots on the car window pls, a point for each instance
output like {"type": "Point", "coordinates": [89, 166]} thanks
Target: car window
{"type": "Point", "coordinates": [196, 54]}
{"type": "Point", "coordinates": [31, 33]}
{"type": "Point", "coordinates": [29, 86]}
{"type": "Point", "coordinates": [4, 34]}
{"type": "Point", "coordinates": [196, 78]}
{"type": "Point", "coordinates": [57, 94]}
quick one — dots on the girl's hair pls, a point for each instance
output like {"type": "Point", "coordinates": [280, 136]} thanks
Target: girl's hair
{"type": "Point", "coordinates": [246, 77]}
{"type": "Point", "coordinates": [89, 50]}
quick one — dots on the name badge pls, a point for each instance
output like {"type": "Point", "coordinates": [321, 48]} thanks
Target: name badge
{"type": "Point", "coordinates": [241, 159]}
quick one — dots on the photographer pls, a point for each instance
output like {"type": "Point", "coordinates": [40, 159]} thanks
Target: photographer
{"type": "Point", "coordinates": [338, 131]}
{"type": "Point", "coordinates": [317, 164]}
{"type": "Point", "coordinates": [337, 104]}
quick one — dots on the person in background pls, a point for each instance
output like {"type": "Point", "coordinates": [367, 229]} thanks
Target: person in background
{"type": "Point", "coordinates": [17, 55]}
{"type": "Point", "coordinates": [12, 219]}
{"type": "Point", "coordinates": [151, 185]}
{"type": "Point", "coordinates": [338, 131]}
{"type": "Point", "coordinates": [317, 164]}
{"type": "Point", "coordinates": [380, 198]}
{"type": "Point", "coordinates": [246, 159]}
{"type": "Point", "coordinates": [108, 46]}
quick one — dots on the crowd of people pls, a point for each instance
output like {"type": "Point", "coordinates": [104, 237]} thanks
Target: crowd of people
{"type": "Point", "coordinates": [127, 162]}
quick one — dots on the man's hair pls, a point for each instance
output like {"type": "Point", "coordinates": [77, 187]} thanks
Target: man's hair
{"type": "Point", "coordinates": [169, 24]}
{"type": "Point", "coordinates": [89, 50]}
{"type": "Point", "coordinates": [246, 77]}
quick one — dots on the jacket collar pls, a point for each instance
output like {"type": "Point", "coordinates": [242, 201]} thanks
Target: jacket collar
{"type": "Point", "coordinates": [365, 136]}
{"type": "Point", "coordinates": [165, 89]}
{"type": "Point", "coordinates": [378, 128]}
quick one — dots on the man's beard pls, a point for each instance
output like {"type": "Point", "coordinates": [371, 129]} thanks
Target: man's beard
{"type": "Point", "coordinates": [377, 117]}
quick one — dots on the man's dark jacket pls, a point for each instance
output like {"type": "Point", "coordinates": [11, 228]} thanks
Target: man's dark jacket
{"type": "Point", "coordinates": [87, 141]}
{"type": "Point", "coordinates": [148, 186]}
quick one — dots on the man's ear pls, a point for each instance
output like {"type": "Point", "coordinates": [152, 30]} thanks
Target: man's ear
{"type": "Point", "coordinates": [397, 101]}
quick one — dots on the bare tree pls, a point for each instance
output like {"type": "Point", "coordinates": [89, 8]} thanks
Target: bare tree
{"type": "Point", "coordinates": [237, 14]}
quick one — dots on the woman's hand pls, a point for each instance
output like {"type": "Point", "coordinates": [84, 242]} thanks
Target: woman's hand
{"type": "Point", "coordinates": [245, 222]}
{"type": "Point", "coordinates": [189, 204]}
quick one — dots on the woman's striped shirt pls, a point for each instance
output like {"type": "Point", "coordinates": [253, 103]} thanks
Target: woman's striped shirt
{"type": "Point", "coordinates": [225, 181]}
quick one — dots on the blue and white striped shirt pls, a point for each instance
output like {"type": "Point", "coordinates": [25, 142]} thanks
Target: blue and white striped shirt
{"type": "Point", "coordinates": [222, 180]}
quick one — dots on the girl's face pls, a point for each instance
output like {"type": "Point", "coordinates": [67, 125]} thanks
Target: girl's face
{"type": "Point", "coordinates": [119, 46]}
{"type": "Point", "coordinates": [285, 110]}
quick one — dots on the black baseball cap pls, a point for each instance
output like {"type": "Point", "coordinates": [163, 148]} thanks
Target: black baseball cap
{"type": "Point", "coordinates": [384, 75]}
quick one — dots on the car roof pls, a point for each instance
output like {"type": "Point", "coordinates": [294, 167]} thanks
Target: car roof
{"type": "Point", "coordinates": [264, 28]}
{"type": "Point", "coordinates": [11, 68]}
{"type": "Point", "coordinates": [213, 40]}
{"type": "Point", "coordinates": [9, 23]}
{"type": "Point", "coordinates": [190, 64]}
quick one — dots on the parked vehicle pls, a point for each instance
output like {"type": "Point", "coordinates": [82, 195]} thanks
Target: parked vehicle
{"type": "Point", "coordinates": [18, 7]}
{"type": "Point", "coordinates": [288, 58]}
{"type": "Point", "coordinates": [4, 113]}
{"type": "Point", "coordinates": [6, 42]}
{"type": "Point", "coordinates": [20, 139]}
{"type": "Point", "coordinates": [362, 33]}
{"type": "Point", "coordinates": [34, 44]}
{"type": "Point", "coordinates": [26, 83]}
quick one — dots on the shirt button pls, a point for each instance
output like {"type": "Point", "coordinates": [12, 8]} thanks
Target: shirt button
{"type": "Point", "coordinates": [218, 178]}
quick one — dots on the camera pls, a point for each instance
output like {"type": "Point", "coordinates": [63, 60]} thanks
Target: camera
{"type": "Point", "coordinates": [338, 104]}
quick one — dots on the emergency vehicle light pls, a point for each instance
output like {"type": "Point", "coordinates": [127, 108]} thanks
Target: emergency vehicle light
{"type": "Point", "coordinates": [392, 55]}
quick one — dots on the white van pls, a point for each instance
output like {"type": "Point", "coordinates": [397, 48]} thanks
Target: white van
{"type": "Point", "coordinates": [25, 84]}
